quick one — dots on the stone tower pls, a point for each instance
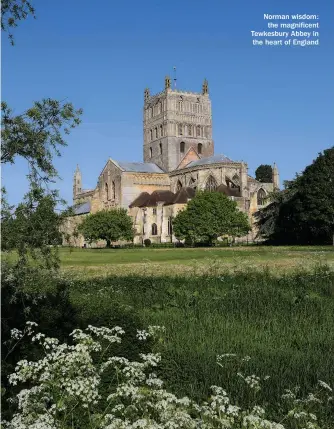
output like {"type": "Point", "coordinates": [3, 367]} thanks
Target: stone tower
{"type": "Point", "coordinates": [77, 183]}
{"type": "Point", "coordinates": [275, 176]}
{"type": "Point", "coordinates": [174, 122]}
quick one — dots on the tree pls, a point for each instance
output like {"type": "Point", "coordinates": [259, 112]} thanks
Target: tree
{"type": "Point", "coordinates": [210, 215]}
{"type": "Point", "coordinates": [109, 225]}
{"type": "Point", "coordinates": [37, 135]}
{"type": "Point", "coordinates": [303, 213]}
{"type": "Point", "coordinates": [13, 11]}
{"type": "Point", "coordinates": [264, 173]}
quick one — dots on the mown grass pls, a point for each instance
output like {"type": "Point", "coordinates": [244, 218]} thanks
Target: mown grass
{"type": "Point", "coordinates": [284, 323]}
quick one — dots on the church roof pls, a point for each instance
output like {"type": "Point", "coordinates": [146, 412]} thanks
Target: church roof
{"type": "Point", "coordinates": [230, 192]}
{"type": "Point", "coordinates": [140, 167]}
{"type": "Point", "coordinates": [183, 195]}
{"type": "Point", "coordinates": [82, 208]}
{"type": "Point", "coordinates": [215, 159]}
{"type": "Point", "coordinates": [150, 200]}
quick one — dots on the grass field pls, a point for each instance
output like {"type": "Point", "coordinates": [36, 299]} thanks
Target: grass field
{"type": "Point", "coordinates": [274, 304]}
{"type": "Point", "coordinates": [97, 262]}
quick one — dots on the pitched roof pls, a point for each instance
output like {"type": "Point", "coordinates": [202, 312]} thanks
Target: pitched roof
{"type": "Point", "coordinates": [215, 159]}
{"type": "Point", "coordinates": [140, 200]}
{"type": "Point", "coordinates": [82, 208]}
{"type": "Point", "coordinates": [183, 195]}
{"type": "Point", "coordinates": [139, 167]}
{"type": "Point", "coordinates": [230, 192]}
{"type": "Point", "coordinates": [150, 200]}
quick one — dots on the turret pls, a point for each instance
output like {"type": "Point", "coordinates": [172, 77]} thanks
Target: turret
{"type": "Point", "coordinates": [77, 183]}
{"type": "Point", "coordinates": [275, 176]}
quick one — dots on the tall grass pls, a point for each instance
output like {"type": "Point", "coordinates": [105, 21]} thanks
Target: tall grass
{"type": "Point", "coordinates": [285, 324]}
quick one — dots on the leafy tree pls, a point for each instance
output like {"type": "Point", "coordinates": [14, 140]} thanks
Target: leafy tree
{"type": "Point", "coordinates": [264, 173]}
{"type": "Point", "coordinates": [303, 213]}
{"type": "Point", "coordinates": [37, 135]}
{"type": "Point", "coordinates": [210, 215]}
{"type": "Point", "coordinates": [109, 225]}
{"type": "Point", "coordinates": [13, 11]}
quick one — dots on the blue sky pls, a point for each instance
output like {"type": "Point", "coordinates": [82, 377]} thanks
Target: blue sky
{"type": "Point", "coordinates": [269, 103]}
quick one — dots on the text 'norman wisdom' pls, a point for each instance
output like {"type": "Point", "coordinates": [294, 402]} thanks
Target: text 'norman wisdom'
{"type": "Point", "coordinates": [288, 30]}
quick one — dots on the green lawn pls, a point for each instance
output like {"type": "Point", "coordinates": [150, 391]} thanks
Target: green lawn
{"type": "Point", "coordinates": [173, 261]}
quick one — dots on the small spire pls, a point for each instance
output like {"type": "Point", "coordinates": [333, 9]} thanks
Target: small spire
{"type": "Point", "coordinates": [77, 170]}
{"type": "Point", "coordinates": [167, 82]}
{"type": "Point", "coordinates": [205, 87]}
{"type": "Point", "coordinates": [146, 94]}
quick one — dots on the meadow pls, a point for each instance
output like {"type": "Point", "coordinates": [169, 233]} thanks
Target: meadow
{"type": "Point", "coordinates": [274, 305]}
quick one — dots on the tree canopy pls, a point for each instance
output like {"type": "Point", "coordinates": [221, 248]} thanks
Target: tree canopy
{"type": "Point", "coordinates": [13, 11]}
{"type": "Point", "coordinates": [110, 225]}
{"type": "Point", "coordinates": [210, 215]}
{"type": "Point", "coordinates": [303, 213]}
{"type": "Point", "coordinates": [264, 173]}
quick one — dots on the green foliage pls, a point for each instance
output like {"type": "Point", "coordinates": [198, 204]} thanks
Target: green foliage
{"type": "Point", "coordinates": [37, 135]}
{"type": "Point", "coordinates": [303, 213]}
{"type": "Point", "coordinates": [264, 173]}
{"type": "Point", "coordinates": [281, 322]}
{"type": "Point", "coordinates": [13, 11]}
{"type": "Point", "coordinates": [210, 215]}
{"type": "Point", "coordinates": [109, 225]}
{"type": "Point", "coordinates": [147, 242]}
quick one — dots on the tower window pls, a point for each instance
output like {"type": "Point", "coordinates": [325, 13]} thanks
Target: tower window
{"type": "Point", "coordinates": [154, 229]}
{"type": "Point", "coordinates": [154, 210]}
{"type": "Point", "coordinates": [199, 148]}
{"type": "Point", "coordinates": [182, 146]}
{"type": "Point", "coordinates": [160, 147]}
{"type": "Point", "coordinates": [151, 134]}
{"type": "Point", "coordinates": [156, 132]}
{"type": "Point", "coordinates": [180, 130]}
{"type": "Point", "coordinates": [161, 131]}
{"type": "Point", "coordinates": [189, 130]}
{"type": "Point", "coordinates": [198, 131]}
{"type": "Point", "coordinates": [150, 152]}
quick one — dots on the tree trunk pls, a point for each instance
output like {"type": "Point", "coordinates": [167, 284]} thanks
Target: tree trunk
{"type": "Point", "coordinates": [108, 244]}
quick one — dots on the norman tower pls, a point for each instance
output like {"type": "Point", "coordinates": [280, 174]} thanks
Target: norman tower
{"type": "Point", "coordinates": [174, 122]}
{"type": "Point", "coordinates": [77, 183]}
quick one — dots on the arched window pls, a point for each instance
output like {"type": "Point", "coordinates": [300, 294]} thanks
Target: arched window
{"type": "Point", "coordinates": [151, 112]}
{"type": "Point", "coordinates": [150, 152]}
{"type": "Point", "coordinates": [156, 132]}
{"type": "Point", "coordinates": [192, 182]}
{"type": "Point", "coordinates": [189, 130]}
{"type": "Point", "coordinates": [178, 185]}
{"type": "Point", "coordinates": [151, 134]}
{"type": "Point", "coordinates": [106, 188]}
{"type": "Point", "coordinates": [169, 226]}
{"type": "Point", "coordinates": [160, 148]}
{"type": "Point", "coordinates": [161, 131]}
{"type": "Point", "coordinates": [113, 190]}
{"type": "Point", "coordinates": [154, 229]}
{"type": "Point", "coordinates": [180, 131]}
{"type": "Point", "coordinates": [198, 131]}
{"type": "Point", "coordinates": [211, 184]}
{"type": "Point", "coordinates": [236, 180]}
{"type": "Point", "coordinates": [199, 148]}
{"type": "Point", "coordinates": [182, 147]}
{"type": "Point", "coordinates": [261, 197]}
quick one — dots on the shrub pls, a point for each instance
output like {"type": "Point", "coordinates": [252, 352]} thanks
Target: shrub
{"type": "Point", "coordinates": [66, 391]}
{"type": "Point", "coordinates": [147, 242]}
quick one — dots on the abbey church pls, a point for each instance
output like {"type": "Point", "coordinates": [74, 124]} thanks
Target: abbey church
{"type": "Point", "coordinates": [179, 159]}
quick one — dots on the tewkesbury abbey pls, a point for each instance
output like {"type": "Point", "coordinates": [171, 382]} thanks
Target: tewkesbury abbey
{"type": "Point", "coordinates": [179, 159]}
